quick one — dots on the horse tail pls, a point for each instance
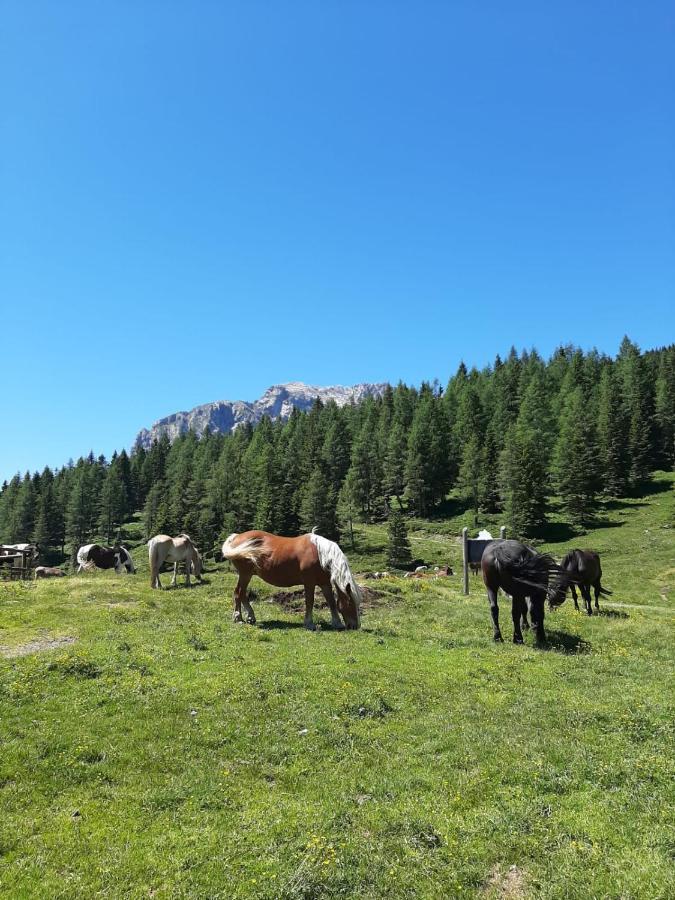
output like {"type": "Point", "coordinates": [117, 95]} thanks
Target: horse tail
{"type": "Point", "coordinates": [534, 572]}
{"type": "Point", "coordinates": [153, 553]}
{"type": "Point", "coordinates": [82, 557]}
{"type": "Point", "coordinates": [604, 590]}
{"type": "Point", "coordinates": [333, 561]}
{"type": "Point", "coordinates": [252, 549]}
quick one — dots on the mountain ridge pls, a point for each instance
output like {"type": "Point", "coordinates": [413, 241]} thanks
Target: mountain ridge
{"type": "Point", "coordinates": [277, 402]}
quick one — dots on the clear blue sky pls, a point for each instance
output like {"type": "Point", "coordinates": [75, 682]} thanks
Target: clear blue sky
{"type": "Point", "coordinates": [198, 200]}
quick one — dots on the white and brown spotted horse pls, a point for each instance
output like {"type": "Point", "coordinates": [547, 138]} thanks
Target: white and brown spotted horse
{"type": "Point", "coordinates": [94, 556]}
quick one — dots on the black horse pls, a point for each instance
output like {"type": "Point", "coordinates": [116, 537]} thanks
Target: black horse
{"type": "Point", "coordinates": [582, 568]}
{"type": "Point", "coordinates": [524, 574]}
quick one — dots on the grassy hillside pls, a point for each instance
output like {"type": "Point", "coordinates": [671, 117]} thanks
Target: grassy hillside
{"type": "Point", "coordinates": [165, 752]}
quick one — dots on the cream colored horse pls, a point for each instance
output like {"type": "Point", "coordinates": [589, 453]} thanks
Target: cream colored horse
{"type": "Point", "coordinates": [163, 548]}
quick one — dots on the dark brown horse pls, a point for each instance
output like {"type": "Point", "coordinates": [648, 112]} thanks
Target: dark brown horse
{"type": "Point", "coordinates": [309, 560]}
{"type": "Point", "coordinates": [524, 575]}
{"type": "Point", "coordinates": [581, 568]}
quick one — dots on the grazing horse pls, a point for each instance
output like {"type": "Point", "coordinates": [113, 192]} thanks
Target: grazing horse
{"type": "Point", "coordinates": [94, 556]}
{"type": "Point", "coordinates": [48, 572]}
{"type": "Point", "coordinates": [581, 568]}
{"type": "Point", "coordinates": [163, 548]}
{"type": "Point", "coordinates": [524, 574]}
{"type": "Point", "coordinates": [309, 560]}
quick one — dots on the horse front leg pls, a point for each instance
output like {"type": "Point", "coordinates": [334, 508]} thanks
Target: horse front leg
{"type": "Point", "coordinates": [335, 619]}
{"type": "Point", "coordinates": [309, 607]}
{"type": "Point", "coordinates": [175, 574]}
{"type": "Point", "coordinates": [524, 624]}
{"type": "Point", "coordinates": [586, 594]}
{"type": "Point", "coordinates": [574, 596]}
{"type": "Point", "coordinates": [516, 604]}
{"type": "Point", "coordinates": [535, 606]}
{"type": "Point", "coordinates": [494, 612]}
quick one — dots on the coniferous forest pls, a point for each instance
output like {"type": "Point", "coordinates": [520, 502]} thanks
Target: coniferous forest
{"type": "Point", "coordinates": [580, 426]}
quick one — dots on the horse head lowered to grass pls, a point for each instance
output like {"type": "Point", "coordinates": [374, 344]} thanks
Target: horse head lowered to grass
{"type": "Point", "coordinates": [580, 569]}
{"type": "Point", "coordinates": [309, 560]}
{"type": "Point", "coordinates": [164, 549]}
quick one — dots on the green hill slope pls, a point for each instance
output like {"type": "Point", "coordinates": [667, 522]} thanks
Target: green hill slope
{"type": "Point", "coordinates": [166, 752]}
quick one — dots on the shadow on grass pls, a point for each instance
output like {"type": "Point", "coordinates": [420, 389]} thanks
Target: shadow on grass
{"type": "Point", "coordinates": [556, 533]}
{"type": "Point", "coordinates": [605, 523]}
{"type": "Point", "coordinates": [611, 613]}
{"type": "Point", "coordinates": [653, 487]}
{"type": "Point", "coordinates": [622, 504]}
{"type": "Point", "coordinates": [562, 642]}
{"type": "Point", "coordinates": [278, 625]}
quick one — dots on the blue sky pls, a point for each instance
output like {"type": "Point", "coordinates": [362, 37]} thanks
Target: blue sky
{"type": "Point", "coordinates": [202, 199]}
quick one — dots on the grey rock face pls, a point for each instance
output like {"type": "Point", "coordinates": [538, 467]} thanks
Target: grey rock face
{"type": "Point", "coordinates": [277, 402]}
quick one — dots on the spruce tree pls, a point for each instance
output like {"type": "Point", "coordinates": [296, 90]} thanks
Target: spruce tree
{"type": "Point", "coordinates": [112, 504]}
{"type": "Point", "coordinates": [317, 509]}
{"type": "Point", "coordinates": [470, 478]}
{"type": "Point", "coordinates": [82, 510]}
{"type": "Point", "coordinates": [398, 545]}
{"type": "Point", "coordinates": [576, 460]}
{"type": "Point", "coordinates": [612, 436]}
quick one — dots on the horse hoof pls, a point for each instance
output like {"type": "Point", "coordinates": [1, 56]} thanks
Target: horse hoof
{"type": "Point", "coordinates": [498, 639]}
{"type": "Point", "coordinates": [517, 640]}
{"type": "Point", "coordinates": [237, 617]}
{"type": "Point", "coordinates": [310, 626]}
{"type": "Point", "coordinates": [251, 620]}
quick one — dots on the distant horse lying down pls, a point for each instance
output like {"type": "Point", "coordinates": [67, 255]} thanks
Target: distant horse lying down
{"type": "Point", "coordinates": [524, 575]}
{"type": "Point", "coordinates": [581, 567]}
{"type": "Point", "coordinates": [48, 572]}
{"type": "Point", "coordinates": [309, 560]}
{"type": "Point", "coordinates": [163, 548]}
{"type": "Point", "coordinates": [94, 556]}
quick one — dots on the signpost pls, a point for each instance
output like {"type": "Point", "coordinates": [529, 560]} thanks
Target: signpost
{"type": "Point", "coordinates": [472, 551]}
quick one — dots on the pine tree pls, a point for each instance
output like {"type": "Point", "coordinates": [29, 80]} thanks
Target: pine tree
{"type": "Point", "coordinates": [665, 407]}
{"type": "Point", "coordinates": [394, 463]}
{"type": "Point", "coordinates": [318, 506]}
{"type": "Point", "coordinates": [82, 511]}
{"type": "Point", "coordinates": [470, 477]}
{"type": "Point", "coordinates": [155, 511]}
{"type": "Point", "coordinates": [48, 531]}
{"type": "Point", "coordinates": [346, 511]}
{"type": "Point", "coordinates": [112, 505]}
{"type": "Point", "coordinates": [522, 481]}
{"type": "Point", "coordinates": [576, 460]}
{"type": "Point", "coordinates": [612, 436]}
{"type": "Point", "coordinates": [398, 545]}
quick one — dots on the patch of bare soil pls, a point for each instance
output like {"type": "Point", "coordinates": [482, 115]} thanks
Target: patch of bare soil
{"type": "Point", "coordinates": [37, 646]}
{"type": "Point", "coordinates": [295, 600]}
{"type": "Point", "coordinates": [501, 885]}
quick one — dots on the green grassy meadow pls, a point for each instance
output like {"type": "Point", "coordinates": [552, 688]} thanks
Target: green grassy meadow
{"type": "Point", "coordinates": [165, 752]}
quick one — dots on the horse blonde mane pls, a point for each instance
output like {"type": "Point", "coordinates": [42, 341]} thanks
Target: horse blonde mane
{"type": "Point", "coordinates": [333, 561]}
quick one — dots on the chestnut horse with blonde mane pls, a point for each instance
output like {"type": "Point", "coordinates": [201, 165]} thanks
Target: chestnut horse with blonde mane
{"type": "Point", "coordinates": [309, 560]}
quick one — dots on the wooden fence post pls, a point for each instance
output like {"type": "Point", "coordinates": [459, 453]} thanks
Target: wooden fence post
{"type": "Point", "coordinates": [465, 558]}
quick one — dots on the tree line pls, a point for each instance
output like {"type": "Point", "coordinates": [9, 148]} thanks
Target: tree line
{"type": "Point", "coordinates": [503, 439]}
